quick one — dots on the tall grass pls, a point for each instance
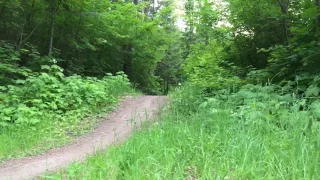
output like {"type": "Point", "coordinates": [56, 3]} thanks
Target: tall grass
{"type": "Point", "coordinates": [228, 136]}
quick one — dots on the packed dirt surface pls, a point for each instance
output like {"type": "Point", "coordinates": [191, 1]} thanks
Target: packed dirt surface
{"type": "Point", "coordinates": [119, 125]}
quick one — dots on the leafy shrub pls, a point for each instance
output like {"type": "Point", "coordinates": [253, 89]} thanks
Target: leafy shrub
{"type": "Point", "coordinates": [50, 92]}
{"type": "Point", "coordinates": [268, 107]}
{"type": "Point", "coordinates": [9, 64]}
{"type": "Point", "coordinates": [204, 67]}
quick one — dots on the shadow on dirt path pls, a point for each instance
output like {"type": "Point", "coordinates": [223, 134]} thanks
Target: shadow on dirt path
{"type": "Point", "coordinates": [113, 129]}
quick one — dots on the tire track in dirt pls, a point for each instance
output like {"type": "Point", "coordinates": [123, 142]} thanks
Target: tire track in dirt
{"type": "Point", "coordinates": [115, 128]}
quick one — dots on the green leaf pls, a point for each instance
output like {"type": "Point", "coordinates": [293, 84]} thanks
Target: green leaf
{"type": "Point", "coordinates": [312, 91]}
{"type": "Point", "coordinates": [45, 67]}
{"type": "Point", "coordinates": [3, 124]}
{"type": "Point", "coordinates": [20, 81]}
{"type": "Point", "coordinates": [3, 88]}
{"type": "Point", "coordinates": [59, 74]}
{"type": "Point", "coordinates": [6, 118]}
{"type": "Point", "coordinates": [8, 110]}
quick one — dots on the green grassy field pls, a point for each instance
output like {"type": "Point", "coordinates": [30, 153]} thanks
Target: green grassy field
{"type": "Point", "coordinates": [210, 139]}
{"type": "Point", "coordinates": [23, 141]}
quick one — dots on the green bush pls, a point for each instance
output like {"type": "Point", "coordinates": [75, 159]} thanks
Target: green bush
{"type": "Point", "coordinates": [47, 109]}
{"type": "Point", "coordinates": [204, 68]}
{"type": "Point", "coordinates": [28, 100]}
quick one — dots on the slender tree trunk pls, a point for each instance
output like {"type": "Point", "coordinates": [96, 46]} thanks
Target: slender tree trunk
{"type": "Point", "coordinates": [127, 65]}
{"type": "Point", "coordinates": [127, 62]}
{"type": "Point", "coordinates": [51, 34]}
{"type": "Point", "coordinates": [167, 86]}
{"type": "Point", "coordinates": [318, 18]}
{"type": "Point", "coordinates": [154, 9]}
{"type": "Point", "coordinates": [22, 26]}
{"type": "Point", "coordinates": [79, 27]}
{"type": "Point", "coordinates": [2, 12]}
{"type": "Point", "coordinates": [284, 9]}
{"type": "Point", "coordinates": [20, 37]}
{"type": "Point", "coordinates": [26, 21]}
{"type": "Point", "coordinates": [54, 10]}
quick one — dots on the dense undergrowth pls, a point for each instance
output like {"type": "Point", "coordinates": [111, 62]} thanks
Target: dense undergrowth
{"type": "Point", "coordinates": [47, 109]}
{"type": "Point", "coordinates": [258, 132]}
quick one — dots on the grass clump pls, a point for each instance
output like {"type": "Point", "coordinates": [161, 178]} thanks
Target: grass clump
{"type": "Point", "coordinates": [47, 109]}
{"type": "Point", "coordinates": [255, 133]}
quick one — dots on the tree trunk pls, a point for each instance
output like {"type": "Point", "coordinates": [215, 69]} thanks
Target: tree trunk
{"type": "Point", "coordinates": [127, 64]}
{"type": "Point", "coordinates": [2, 12]}
{"type": "Point", "coordinates": [154, 9]}
{"type": "Point", "coordinates": [51, 34]}
{"type": "Point", "coordinates": [20, 37]}
{"type": "Point", "coordinates": [284, 9]}
{"type": "Point", "coordinates": [22, 27]}
{"type": "Point", "coordinates": [318, 18]}
{"type": "Point", "coordinates": [79, 27]}
{"type": "Point", "coordinates": [54, 11]}
{"type": "Point", "coordinates": [28, 15]}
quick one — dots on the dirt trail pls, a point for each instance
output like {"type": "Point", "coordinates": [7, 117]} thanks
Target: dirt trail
{"type": "Point", "coordinates": [114, 129]}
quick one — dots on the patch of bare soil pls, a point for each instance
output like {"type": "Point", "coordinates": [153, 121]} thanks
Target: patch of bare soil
{"type": "Point", "coordinates": [119, 125]}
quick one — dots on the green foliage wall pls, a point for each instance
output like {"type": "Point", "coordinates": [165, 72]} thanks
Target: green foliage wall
{"type": "Point", "coordinates": [203, 67]}
{"type": "Point", "coordinates": [50, 93]}
{"type": "Point", "coordinates": [88, 37]}
{"type": "Point", "coordinates": [255, 41]}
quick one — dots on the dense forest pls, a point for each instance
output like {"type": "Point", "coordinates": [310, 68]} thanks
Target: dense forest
{"type": "Point", "coordinates": [247, 66]}
{"type": "Point", "coordinates": [88, 38]}
{"type": "Point", "coordinates": [223, 43]}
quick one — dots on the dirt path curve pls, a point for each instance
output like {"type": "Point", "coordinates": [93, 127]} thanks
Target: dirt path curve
{"type": "Point", "coordinates": [114, 129]}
